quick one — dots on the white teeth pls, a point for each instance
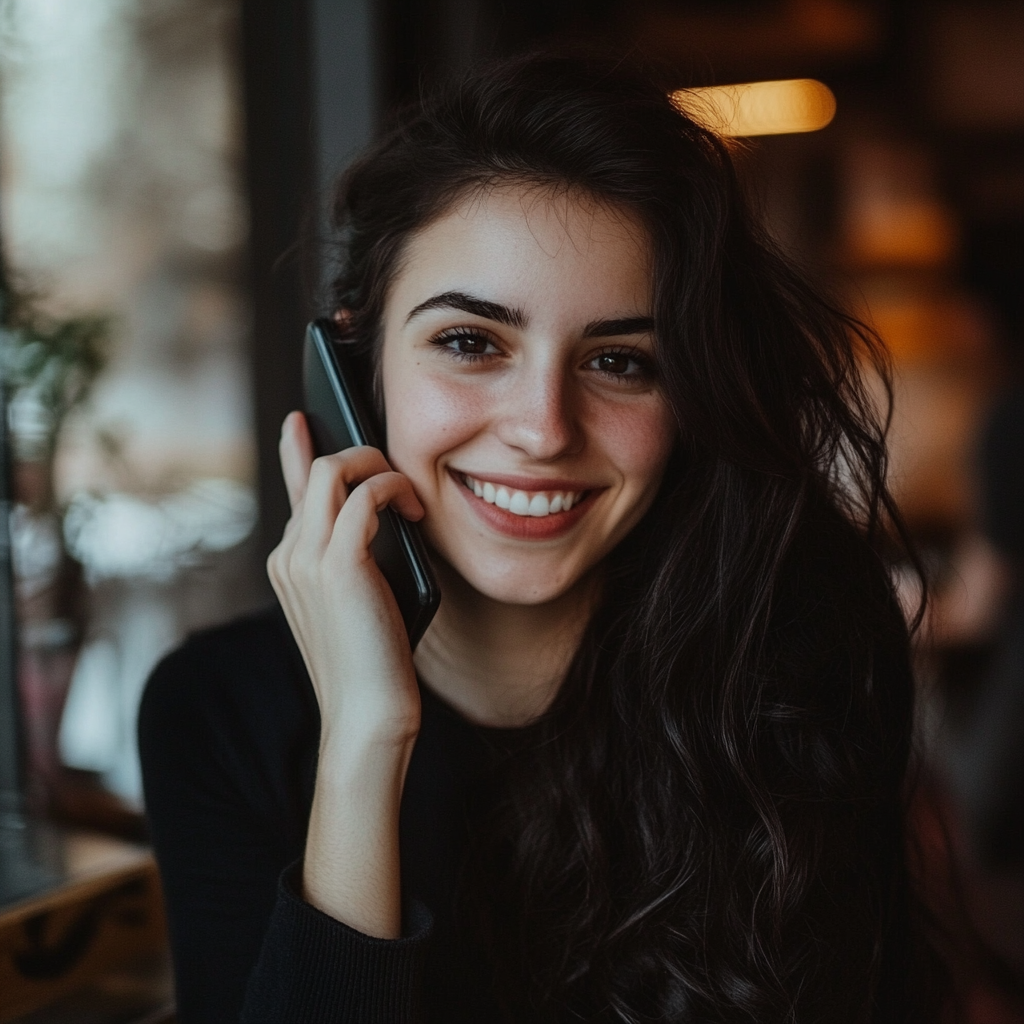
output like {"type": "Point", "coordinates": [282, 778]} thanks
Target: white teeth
{"type": "Point", "coordinates": [520, 503]}
{"type": "Point", "coordinates": [523, 503]}
{"type": "Point", "coordinates": [538, 505]}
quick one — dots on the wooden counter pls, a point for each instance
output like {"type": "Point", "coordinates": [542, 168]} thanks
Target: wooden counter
{"type": "Point", "coordinates": [98, 914]}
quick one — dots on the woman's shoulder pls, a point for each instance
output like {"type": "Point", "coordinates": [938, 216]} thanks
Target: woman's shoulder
{"type": "Point", "coordinates": [248, 660]}
{"type": "Point", "coordinates": [228, 743]}
{"type": "Point", "coordinates": [240, 684]}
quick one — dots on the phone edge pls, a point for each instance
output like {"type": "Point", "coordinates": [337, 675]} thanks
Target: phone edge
{"type": "Point", "coordinates": [428, 590]}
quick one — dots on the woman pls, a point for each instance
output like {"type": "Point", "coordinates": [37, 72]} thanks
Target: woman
{"type": "Point", "coordinates": [646, 762]}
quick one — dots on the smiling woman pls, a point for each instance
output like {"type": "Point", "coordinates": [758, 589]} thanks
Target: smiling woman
{"type": "Point", "coordinates": [646, 762]}
{"type": "Point", "coordinates": [508, 373]}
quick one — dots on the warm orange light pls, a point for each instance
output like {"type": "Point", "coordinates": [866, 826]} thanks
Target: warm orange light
{"type": "Point", "coordinates": [760, 108]}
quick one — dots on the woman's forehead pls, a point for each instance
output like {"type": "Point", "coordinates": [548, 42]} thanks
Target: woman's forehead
{"type": "Point", "coordinates": [533, 244]}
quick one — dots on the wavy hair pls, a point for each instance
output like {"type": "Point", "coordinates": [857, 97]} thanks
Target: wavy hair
{"type": "Point", "coordinates": [707, 824]}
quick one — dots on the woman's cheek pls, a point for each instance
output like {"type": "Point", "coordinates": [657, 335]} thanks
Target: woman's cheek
{"type": "Point", "coordinates": [639, 438]}
{"type": "Point", "coordinates": [433, 418]}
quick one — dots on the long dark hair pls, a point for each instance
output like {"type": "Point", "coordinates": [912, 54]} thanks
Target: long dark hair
{"type": "Point", "coordinates": [709, 826]}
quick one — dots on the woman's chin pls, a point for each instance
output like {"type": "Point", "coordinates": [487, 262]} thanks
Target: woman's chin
{"type": "Point", "coordinates": [519, 594]}
{"type": "Point", "coordinates": [505, 584]}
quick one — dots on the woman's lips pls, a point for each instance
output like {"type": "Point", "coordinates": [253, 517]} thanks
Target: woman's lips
{"type": "Point", "coordinates": [533, 510]}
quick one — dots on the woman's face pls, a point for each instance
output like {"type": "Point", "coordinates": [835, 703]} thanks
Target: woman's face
{"type": "Point", "coordinates": [519, 384]}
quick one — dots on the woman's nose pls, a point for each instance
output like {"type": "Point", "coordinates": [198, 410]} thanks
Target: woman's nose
{"type": "Point", "coordinates": [538, 417]}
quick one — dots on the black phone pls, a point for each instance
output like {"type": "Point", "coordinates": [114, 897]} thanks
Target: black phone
{"type": "Point", "coordinates": [339, 417]}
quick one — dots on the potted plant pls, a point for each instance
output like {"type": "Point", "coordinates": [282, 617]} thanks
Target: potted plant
{"type": "Point", "coordinates": [47, 368]}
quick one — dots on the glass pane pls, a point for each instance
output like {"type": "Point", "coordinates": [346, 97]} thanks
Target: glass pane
{"type": "Point", "coordinates": [122, 200]}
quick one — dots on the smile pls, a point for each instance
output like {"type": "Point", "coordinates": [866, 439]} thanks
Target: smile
{"type": "Point", "coordinates": [535, 504]}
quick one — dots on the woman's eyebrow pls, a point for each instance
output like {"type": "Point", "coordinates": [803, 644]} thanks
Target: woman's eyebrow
{"type": "Point", "coordinates": [512, 316]}
{"type": "Point", "coordinates": [616, 328]}
{"type": "Point", "coordinates": [507, 315]}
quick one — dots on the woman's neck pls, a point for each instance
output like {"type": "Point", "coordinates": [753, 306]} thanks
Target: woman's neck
{"type": "Point", "coordinates": [500, 664]}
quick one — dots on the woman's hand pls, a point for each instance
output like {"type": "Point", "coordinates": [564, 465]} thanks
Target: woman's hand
{"type": "Point", "coordinates": [352, 638]}
{"type": "Point", "coordinates": [338, 604]}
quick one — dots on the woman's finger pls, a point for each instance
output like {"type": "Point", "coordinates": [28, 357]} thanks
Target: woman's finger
{"type": "Point", "coordinates": [330, 479]}
{"type": "Point", "coordinates": [296, 451]}
{"type": "Point", "coordinates": [357, 523]}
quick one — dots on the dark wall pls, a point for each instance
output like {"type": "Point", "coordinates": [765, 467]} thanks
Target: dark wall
{"type": "Point", "coordinates": [279, 168]}
{"type": "Point", "coordinates": [424, 41]}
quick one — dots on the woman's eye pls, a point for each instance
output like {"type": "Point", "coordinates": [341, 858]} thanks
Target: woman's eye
{"type": "Point", "coordinates": [471, 345]}
{"type": "Point", "coordinates": [624, 365]}
{"type": "Point", "coordinates": [466, 343]}
{"type": "Point", "coordinates": [614, 362]}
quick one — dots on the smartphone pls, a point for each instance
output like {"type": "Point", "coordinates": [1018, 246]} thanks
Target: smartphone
{"type": "Point", "coordinates": [340, 417]}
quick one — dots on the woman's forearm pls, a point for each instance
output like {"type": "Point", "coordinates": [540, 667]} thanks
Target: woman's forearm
{"type": "Point", "coordinates": [351, 867]}
{"type": "Point", "coordinates": [349, 629]}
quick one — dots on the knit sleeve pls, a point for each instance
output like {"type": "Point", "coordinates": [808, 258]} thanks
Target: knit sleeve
{"type": "Point", "coordinates": [314, 968]}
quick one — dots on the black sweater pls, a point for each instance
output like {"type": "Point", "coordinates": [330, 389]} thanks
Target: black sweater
{"type": "Point", "coordinates": [229, 731]}
{"type": "Point", "coordinates": [228, 734]}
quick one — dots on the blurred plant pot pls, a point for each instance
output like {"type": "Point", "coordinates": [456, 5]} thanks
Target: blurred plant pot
{"type": "Point", "coordinates": [51, 601]}
{"type": "Point", "coordinates": [47, 663]}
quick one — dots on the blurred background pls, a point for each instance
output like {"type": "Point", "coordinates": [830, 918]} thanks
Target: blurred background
{"type": "Point", "coordinates": [164, 167]}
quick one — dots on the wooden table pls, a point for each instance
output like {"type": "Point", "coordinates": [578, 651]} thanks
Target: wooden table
{"type": "Point", "coordinates": [91, 935]}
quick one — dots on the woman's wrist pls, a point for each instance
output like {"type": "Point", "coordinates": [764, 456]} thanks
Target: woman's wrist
{"type": "Point", "coordinates": [357, 733]}
{"type": "Point", "coordinates": [352, 868]}
{"type": "Point", "coordinates": [367, 758]}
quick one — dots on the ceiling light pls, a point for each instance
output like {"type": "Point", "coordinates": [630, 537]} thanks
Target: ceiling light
{"type": "Point", "coordinates": [760, 108]}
